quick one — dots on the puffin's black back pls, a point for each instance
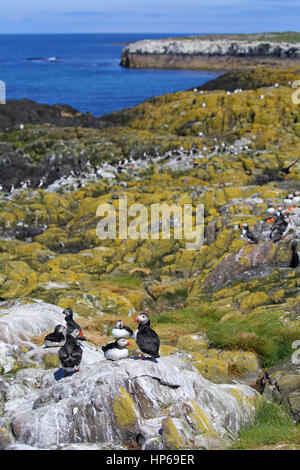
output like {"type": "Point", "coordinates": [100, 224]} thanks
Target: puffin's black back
{"type": "Point", "coordinates": [108, 346]}
{"type": "Point", "coordinates": [56, 336]}
{"type": "Point", "coordinates": [295, 257]}
{"type": "Point", "coordinates": [147, 340]}
{"type": "Point", "coordinates": [70, 353]}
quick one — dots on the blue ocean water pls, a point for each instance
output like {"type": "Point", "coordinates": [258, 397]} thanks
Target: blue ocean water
{"type": "Point", "coordinates": [84, 71]}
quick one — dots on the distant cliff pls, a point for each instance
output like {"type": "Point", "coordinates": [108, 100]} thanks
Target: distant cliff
{"type": "Point", "coordinates": [208, 53]}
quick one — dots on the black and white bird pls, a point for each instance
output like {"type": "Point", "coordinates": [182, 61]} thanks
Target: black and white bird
{"type": "Point", "coordinates": [71, 323]}
{"type": "Point", "coordinates": [247, 234]}
{"type": "Point", "coordinates": [70, 354]}
{"type": "Point", "coordinates": [287, 170]}
{"type": "Point", "coordinates": [121, 331]}
{"type": "Point", "coordinates": [117, 350]}
{"type": "Point", "coordinates": [146, 338]}
{"type": "Point", "coordinates": [57, 338]}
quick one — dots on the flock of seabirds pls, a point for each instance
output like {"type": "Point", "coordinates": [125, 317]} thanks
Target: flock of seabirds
{"type": "Point", "coordinates": [68, 339]}
{"type": "Point", "coordinates": [281, 220]}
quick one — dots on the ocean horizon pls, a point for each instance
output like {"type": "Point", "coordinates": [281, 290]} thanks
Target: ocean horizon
{"type": "Point", "coordinates": [82, 70]}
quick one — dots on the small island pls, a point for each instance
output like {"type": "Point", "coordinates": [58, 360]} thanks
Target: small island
{"type": "Point", "coordinates": [215, 52]}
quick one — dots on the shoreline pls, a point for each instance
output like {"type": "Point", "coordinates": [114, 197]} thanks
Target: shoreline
{"type": "Point", "coordinates": [210, 64]}
{"type": "Point", "coordinates": [213, 53]}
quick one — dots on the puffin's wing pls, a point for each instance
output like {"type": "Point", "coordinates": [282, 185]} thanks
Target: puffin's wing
{"type": "Point", "coordinates": [77, 354]}
{"type": "Point", "coordinates": [63, 353]}
{"type": "Point", "coordinates": [129, 330]}
{"type": "Point", "coordinates": [251, 236]}
{"type": "Point", "coordinates": [51, 337]}
{"type": "Point", "coordinates": [290, 166]}
{"type": "Point", "coordinates": [106, 347]}
{"type": "Point", "coordinates": [148, 342]}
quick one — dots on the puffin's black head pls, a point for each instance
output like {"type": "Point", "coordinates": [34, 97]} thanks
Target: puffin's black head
{"type": "Point", "coordinates": [142, 319]}
{"type": "Point", "coordinates": [60, 329]}
{"type": "Point", "coordinates": [68, 311]}
{"type": "Point", "coordinates": [119, 324]}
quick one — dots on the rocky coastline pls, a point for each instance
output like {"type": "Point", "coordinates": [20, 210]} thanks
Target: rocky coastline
{"type": "Point", "coordinates": [227, 314]}
{"type": "Point", "coordinates": [209, 54]}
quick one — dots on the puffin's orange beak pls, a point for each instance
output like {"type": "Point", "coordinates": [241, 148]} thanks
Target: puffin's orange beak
{"type": "Point", "coordinates": [135, 320]}
{"type": "Point", "coordinates": [130, 343]}
{"type": "Point", "coordinates": [80, 333]}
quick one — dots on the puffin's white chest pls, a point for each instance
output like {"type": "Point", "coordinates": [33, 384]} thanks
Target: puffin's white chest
{"type": "Point", "coordinates": [115, 354]}
{"type": "Point", "coordinates": [119, 333]}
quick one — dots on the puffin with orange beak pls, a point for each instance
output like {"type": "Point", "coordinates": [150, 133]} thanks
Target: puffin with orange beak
{"type": "Point", "coordinates": [146, 338]}
{"type": "Point", "coordinates": [117, 350]}
{"type": "Point", "coordinates": [71, 324]}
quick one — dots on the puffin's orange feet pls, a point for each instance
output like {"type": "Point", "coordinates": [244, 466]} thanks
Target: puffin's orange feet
{"type": "Point", "coordinates": [141, 358]}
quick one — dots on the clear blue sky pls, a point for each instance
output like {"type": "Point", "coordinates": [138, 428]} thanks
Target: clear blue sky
{"type": "Point", "coordinates": [59, 16]}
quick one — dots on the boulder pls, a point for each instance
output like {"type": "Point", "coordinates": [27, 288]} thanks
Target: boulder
{"type": "Point", "coordinates": [168, 402]}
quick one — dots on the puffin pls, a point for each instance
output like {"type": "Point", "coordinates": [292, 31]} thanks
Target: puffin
{"type": "Point", "coordinates": [57, 338]}
{"type": "Point", "coordinates": [121, 331]}
{"type": "Point", "coordinates": [288, 200]}
{"type": "Point", "coordinates": [280, 226]}
{"type": "Point", "coordinates": [295, 261]}
{"type": "Point", "coordinates": [71, 323]}
{"type": "Point", "coordinates": [271, 209]}
{"type": "Point", "coordinates": [250, 237]}
{"type": "Point", "coordinates": [287, 170]}
{"type": "Point", "coordinates": [117, 350]}
{"type": "Point", "coordinates": [70, 354]}
{"type": "Point", "coordinates": [146, 338]}
{"type": "Point", "coordinates": [296, 199]}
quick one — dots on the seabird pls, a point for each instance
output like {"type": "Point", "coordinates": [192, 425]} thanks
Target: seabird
{"type": "Point", "coordinates": [146, 338]}
{"type": "Point", "coordinates": [57, 338]}
{"type": "Point", "coordinates": [117, 350]}
{"type": "Point", "coordinates": [121, 331]}
{"type": "Point", "coordinates": [70, 354]}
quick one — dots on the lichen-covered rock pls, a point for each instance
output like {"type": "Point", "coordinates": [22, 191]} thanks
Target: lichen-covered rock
{"type": "Point", "coordinates": [114, 401]}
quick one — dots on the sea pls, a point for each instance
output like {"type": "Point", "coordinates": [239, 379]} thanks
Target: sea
{"type": "Point", "coordinates": [82, 70]}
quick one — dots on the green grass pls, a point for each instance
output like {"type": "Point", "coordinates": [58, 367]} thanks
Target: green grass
{"type": "Point", "coordinates": [285, 36]}
{"type": "Point", "coordinates": [262, 333]}
{"type": "Point", "coordinates": [259, 332]}
{"type": "Point", "coordinates": [124, 282]}
{"type": "Point", "coordinates": [170, 326]}
{"type": "Point", "coordinates": [273, 425]}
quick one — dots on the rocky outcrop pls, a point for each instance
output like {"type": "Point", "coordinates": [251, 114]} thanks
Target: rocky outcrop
{"type": "Point", "coordinates": [208, 53]}
{"type": "Point", "coordinates": [29, 112]}
{"type": "Point", "coordinates": [168, 403]}
{"type": "Point", "coordinates": [282, 384]}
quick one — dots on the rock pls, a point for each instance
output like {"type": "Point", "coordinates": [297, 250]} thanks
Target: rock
{"type": "Point", "coordinates": [253, 261]}
{"type": "Point", "coordinates": [19, 323]}
{"type": "Point", "coordinates": [283, 385]}
{"type": "Point", "coordinates": [112, 402]}
{"type": "Point", "coordinates": [6, 437]}
{"type": "Point", "coordinates": [195, 52]}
